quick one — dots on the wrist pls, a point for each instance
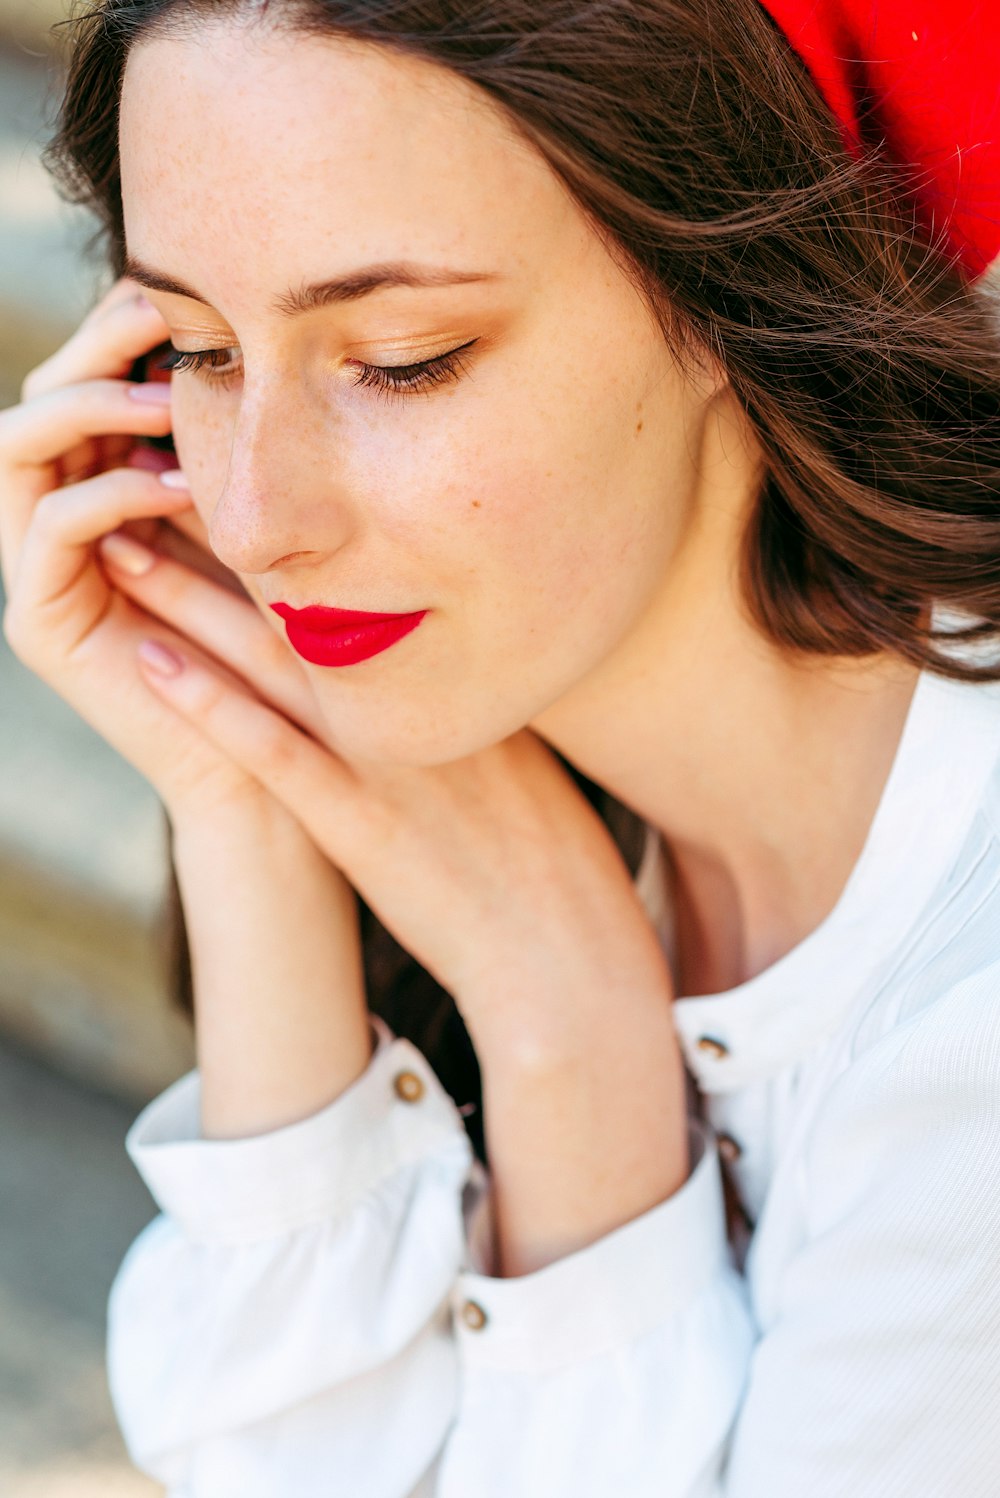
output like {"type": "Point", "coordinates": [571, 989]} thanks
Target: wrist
{"type": "Point", "coordinates": [583, 1136]}
{"type": "Point", "coordinates": [259, 854]}
{"type": "Point", "coordinates": [248, 810]}
{"type": "Point", "coordinates": [545, 1045]}
{"type": "Point", "coordinates": [281, 1020]}
{"type": "Point", "coordinates": [533, 1016]}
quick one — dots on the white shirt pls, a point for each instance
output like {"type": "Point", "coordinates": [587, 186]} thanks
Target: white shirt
{"type": "Point", "coordinates": [313, 1314]}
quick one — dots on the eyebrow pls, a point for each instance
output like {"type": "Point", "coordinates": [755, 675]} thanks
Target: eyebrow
{"type": "Point", "coordinates": [308, 298]}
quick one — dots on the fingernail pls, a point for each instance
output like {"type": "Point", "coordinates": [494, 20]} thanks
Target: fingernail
{"type": "Point", "coordinates": [150, 392]}
{"type": "Point", "coordinates": [128, 555]}
{"type": "Point", "coordinates": [160, 658]}
{"type": "Point", "coordinates": [174, 479]}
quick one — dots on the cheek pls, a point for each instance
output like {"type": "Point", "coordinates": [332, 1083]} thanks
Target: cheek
{"type": "Point", "coordinates": [550, 501]}
{"type": "Point", "coordinates": [203, 437]}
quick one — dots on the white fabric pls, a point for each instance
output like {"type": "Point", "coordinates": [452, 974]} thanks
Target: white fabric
{"type": "Point", "coordinates": [291, 1325]}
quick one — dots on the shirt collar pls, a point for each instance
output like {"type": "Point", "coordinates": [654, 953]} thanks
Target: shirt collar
{"type": "Point", "coordinates": [948, 747]}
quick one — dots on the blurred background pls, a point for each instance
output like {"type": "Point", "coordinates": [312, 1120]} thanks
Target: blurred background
{"type": "Point", "coordinates": [89, 1025]}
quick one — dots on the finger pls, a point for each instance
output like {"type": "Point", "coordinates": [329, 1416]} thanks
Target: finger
{"type": "Point", "coordinates": [230, 628]}
{"type": "Point", "coordinates": [183, 536]}
{"type": "Point", "coordinates": [66, 523]}
{"type": "Point", "coordinates": [191, 523]}
{"type": "Point", "coordinates": [183, 547]}
{"type": "Point", "coordinates": [98, 454]}
{"type": "Point", "coordinates": [102, 345]}
{"type": "Point", "coordinates": [123, 289]}
{"type": "Point", "coordinates": [304, 776]}
{"type": "Point", "coordinates": [40, 430]}
{"type": "Point", "coordinates": [33, 435]}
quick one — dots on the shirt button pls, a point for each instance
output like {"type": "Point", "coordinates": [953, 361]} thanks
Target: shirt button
{"type": "Point", "coordinates": [713, 1047]}
{"type": "Point", "coordinates": [728, 1148]}
{"type": "Point", "coordinates": [473, 1315]}
{"type": "Point", "coordinates": [408, 1086]}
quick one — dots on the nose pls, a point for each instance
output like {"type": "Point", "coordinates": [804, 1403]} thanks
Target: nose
{"type": "Point", "coordinates": [280, 503]}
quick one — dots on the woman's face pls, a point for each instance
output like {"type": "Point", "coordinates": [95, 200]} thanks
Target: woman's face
{"type": "Point", "coordinates": [532, 496]}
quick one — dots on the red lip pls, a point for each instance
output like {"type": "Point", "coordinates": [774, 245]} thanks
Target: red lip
{"type": "Point", "coordinates": [342, 637]}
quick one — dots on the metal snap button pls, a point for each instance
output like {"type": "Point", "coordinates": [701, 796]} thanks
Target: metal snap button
{"type": "Point", "coordinates": [713, 1047]}
{"type": "Point", "coordinates": [408, 1086]}
{"type": "Point", "coordinates": [729, 1150]}
{"type": "Point", "coordinates": [473, 1315]}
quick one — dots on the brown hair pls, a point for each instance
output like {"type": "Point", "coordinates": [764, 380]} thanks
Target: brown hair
{"type": "Point", "coordinates": [696, 142]}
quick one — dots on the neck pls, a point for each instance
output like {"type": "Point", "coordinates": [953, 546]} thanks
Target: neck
{"type": "Point", "coordinates": [761, 770]}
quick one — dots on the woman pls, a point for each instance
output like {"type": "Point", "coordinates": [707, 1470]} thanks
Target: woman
{"type": "Point", "coordinates": [654, 437]}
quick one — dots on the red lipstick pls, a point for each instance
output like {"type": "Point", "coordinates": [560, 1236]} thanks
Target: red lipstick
{"type": "Point", "coordinates": [342, 637]}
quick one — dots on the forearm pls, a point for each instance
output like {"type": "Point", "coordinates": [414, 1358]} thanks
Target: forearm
{"type": "Point", "coordinates": [584, 1141]}
{"type": "Point", "coordinates": [280, 1014]}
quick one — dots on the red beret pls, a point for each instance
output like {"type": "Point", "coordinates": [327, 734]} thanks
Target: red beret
{"type": "Point", "coordinates": [925, 74]}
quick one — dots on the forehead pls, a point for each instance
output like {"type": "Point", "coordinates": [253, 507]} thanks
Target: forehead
{"type": "Point", "coordinates": [312, 149]}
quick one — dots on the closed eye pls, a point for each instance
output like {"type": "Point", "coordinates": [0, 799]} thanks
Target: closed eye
{"type": "Point", "coordinates": [387, 379]}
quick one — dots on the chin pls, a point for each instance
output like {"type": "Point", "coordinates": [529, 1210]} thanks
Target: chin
{"type": "Point", "coordinates": [415, 739]}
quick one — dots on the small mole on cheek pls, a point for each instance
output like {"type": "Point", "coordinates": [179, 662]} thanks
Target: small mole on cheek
{"type": "Point", "coordinates": [477, 504]}
{"type": "Point", "coordinates": [638, 428]}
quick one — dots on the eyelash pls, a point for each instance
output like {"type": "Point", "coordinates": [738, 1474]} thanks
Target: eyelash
{"type": "Point", "coordinates": [387, 379]}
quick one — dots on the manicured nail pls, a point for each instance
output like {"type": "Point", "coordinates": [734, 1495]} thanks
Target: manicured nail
{"type": "Point", "coordinates": [128, 555]}
{"type": "Point", "coordinates": [174, 479]}
{"type": "Point", "coordinates": [150, 392]}
{"type": "Point", "coordinates": [160, 658]}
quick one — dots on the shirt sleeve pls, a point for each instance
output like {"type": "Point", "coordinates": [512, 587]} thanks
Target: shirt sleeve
{"type": "Point", "coordinates": [283, 1327]}
{"type": "Point", "coordinates": [313, 1312]}
{"type": "Point", "coordinates": [617, 1369]}
{"type": "Point", "coordinates": [871, 1366]}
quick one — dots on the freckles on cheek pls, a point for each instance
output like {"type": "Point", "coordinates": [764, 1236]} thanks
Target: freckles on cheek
{"type": "Point", "coordinates": [521, 522]}
{"type": "Point", "coordinates": [203, 439]}
{"type": "Point", "coordinates": [556, 535]}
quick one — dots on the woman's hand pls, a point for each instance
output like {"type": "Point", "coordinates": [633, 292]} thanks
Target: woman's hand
{"type": "Point", "coordinates": [494, 871]}
{"type": "Point", "coordinates": [69, 473]}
